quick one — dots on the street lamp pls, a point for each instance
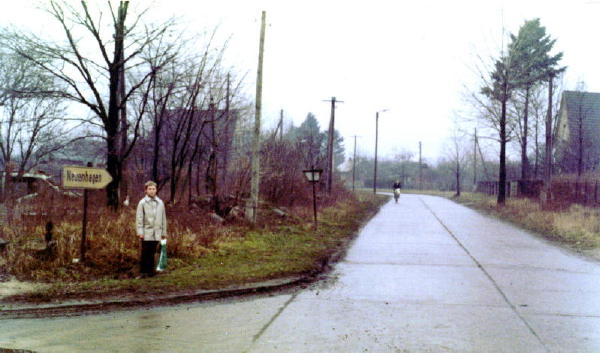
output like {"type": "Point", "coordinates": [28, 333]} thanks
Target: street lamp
{"type": "Point", "coordinates": [313, 176]}
{"type": "Point", "coordinates": [376, 138]}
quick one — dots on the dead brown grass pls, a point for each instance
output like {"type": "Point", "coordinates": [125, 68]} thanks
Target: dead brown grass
{"type": "Point", "coordinates": [113, 247]}
{"type": "Point", "coordinates": [202, 255]}
{"type": "Point", "coordinates": [576, 225]}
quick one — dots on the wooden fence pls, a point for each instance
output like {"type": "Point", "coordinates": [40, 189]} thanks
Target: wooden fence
{"type": "Point", "coordinates": [514, 188]}
{"type": "Point", "coordinates": [562, 191]}
{"type": "Point", "coordinates": [576, 192]}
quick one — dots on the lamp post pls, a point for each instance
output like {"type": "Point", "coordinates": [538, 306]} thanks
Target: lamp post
{"type": "Point", "coordinates": [376, 138]}
{"type": "Point", "coordinates": [313, 176]}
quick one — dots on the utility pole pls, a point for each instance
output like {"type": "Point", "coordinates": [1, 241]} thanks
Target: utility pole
{"type": "Point", "coordinates": [279, 129]}
{"type": "Point", "coordinates": [420, 166]}
{"type": "Point", "coordinates": [376, 143]}
{"type": "Point", "coordinates": [255, 177]}
{"type": "Point", "coordinates": [330, 144]}
{"type": "Point", "coordinates": [280, 126]}
{"type": "Point", "coordinates": [354, 164]}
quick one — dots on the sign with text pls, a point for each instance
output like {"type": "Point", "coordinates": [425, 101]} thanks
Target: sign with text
{"type": "Point", "coordinates": [85, 178]}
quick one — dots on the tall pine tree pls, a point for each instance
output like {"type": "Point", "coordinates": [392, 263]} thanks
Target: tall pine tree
{"type": "Point", "coordinates": [530, 51]}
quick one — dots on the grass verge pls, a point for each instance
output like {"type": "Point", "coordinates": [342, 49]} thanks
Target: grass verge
{"type": "Point", "coordinates": [239, 255]}
{"type": "Point", "coordinates": [576, 226]}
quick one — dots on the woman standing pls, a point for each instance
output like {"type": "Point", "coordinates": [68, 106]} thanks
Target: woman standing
{"type": "Point", "coordinates": [151, 227]}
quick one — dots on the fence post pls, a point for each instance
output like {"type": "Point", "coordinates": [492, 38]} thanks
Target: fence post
{"type": "Point", "coordinates": [587, 194]}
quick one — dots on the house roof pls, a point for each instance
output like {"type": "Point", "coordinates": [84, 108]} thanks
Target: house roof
{"type": "Point", "coordinates": [25, 176]}
{"type": "Point", "coordinates": [579, 113]}
{"type": "Point", "coordinates": [584, 106]}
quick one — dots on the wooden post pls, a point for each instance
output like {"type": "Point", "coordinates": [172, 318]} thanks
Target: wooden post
{"type": "Point", "coordinates": [83, 246]}
{"type": "Point", "coordinates": [255, 178]}
{"type": "Point", "coordinates": [330, 134]}
{"type": "Point", "coordinates": [587, 193]}
{"type": "Point", "coordinates": [314, 202]}
{"type": "Point", "coordinates": [420, 166]}
{"type": "Point", "coordinates": [376, 140]}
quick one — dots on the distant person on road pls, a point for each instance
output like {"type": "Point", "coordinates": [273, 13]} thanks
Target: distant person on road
{"type": "Point", "coordinates": [151, 227]}
{"type": "Point", "coordinates": [396, 187]}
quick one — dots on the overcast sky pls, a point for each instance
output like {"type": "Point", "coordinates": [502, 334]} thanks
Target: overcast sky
{"type": "Point", "coordinates": [413, 58]}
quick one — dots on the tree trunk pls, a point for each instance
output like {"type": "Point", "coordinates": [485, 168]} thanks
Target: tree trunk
{"type": "Point", "coordinates": [548, 157]}
{"type": "Point", "coordinates": [173, 184]}
{"type": "Point", "coordinates": [524, 158]}
{"type": "Point", "coordinates": [113, 162]}
{"type": "Point", "coordinates": [457, 178]}
{"type": "Point", "coordinates": [537, 149]}
{"type": "Point", "coordinates": [114, 169]}
{"type": "Point", "coordinates": [113, 165]}
{"type": "Point", "coordinates": [502, 172]}
{"type": "Point", "coordinates": [155, 153]}
{"type": "Point", "coordinates": [123, 188]}
{"type": "Point", "coordinates": [189, 180]}
{"type": "Point", "coordinates": [580, 144]}
{"type": "Point", "coordinates": [214, 161]}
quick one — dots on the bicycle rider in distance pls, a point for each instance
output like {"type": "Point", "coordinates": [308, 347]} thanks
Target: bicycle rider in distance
{"type": "Point", "coordinates": [397, 185]}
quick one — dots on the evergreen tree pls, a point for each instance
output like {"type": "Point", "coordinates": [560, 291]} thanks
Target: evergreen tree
{"type": "Point", "coordinates": [500, 89]}
{"type": "Point", "coordinates": [530, 51]}
{"type": "Point", "coordinates": [310, 138]}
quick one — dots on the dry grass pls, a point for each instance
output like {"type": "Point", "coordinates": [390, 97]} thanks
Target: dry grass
{"type": "Point", "coordinates": [576, 225]}
{"type": "Point", "coordinates": [112, 246]}
{"type": "Point", "coordinates": [580, 225]}
{"type": "Point", "coordinates": [201, 254]}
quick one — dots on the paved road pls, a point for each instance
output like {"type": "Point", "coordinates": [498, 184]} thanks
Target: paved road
{"type": "Point", "coordinates": [425, 275]}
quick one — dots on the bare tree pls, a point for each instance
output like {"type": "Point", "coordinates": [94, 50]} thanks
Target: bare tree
{"type": "Point", "coordinates": [456, 155]}
{"type": "Point", "coordinates": [30, 127]}
{"type": "Point", "coordinates": [222, 123]}
{"type": "Point", "coordinates": [539, 109]}
{"type": "Point", "coordinates": [94, 77]}
{"type": "Point", "coordinates": [404, 157]}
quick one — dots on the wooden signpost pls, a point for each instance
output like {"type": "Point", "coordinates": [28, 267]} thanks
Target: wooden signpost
{"type": "Point", "coordinates": [77, 177]}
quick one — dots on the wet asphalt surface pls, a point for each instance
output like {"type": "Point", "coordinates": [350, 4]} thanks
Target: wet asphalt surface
{"type": "Point", "coordinates": [424, 275]}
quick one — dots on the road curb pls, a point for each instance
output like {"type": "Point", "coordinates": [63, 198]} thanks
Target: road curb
{"type": "Point", "coordinates": [95, 306]}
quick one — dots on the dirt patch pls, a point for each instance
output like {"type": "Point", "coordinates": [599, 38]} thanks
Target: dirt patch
{"type": "Point", "coordinates": [592, 253]}
{"type": "Point", "coordinates": [14, 287]}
